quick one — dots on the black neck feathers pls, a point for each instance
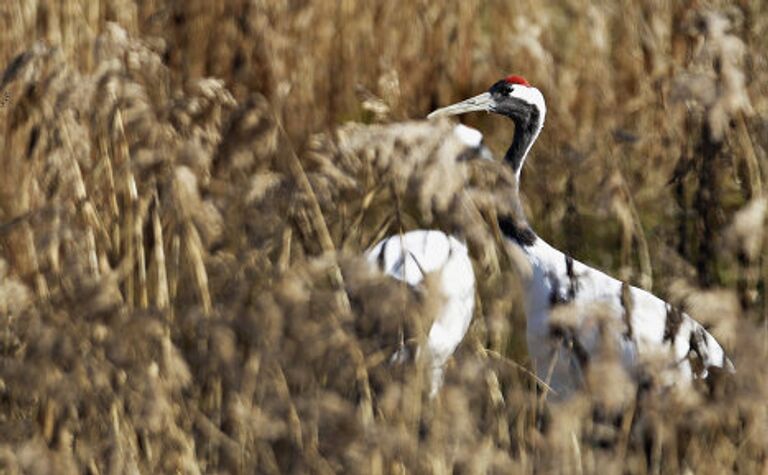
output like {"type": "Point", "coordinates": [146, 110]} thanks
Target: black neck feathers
{"type": "Point", "coordinates": [526, 128]}
{"type": "Point", "coordinates": [517, 230]}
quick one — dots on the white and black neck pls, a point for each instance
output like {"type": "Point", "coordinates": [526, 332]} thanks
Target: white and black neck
{"type": "Point", "coordinates": [525, 106]}
{"type": "Point", "coordinates": [515, 98]}
{"type": "Point", "coordinates": [526, 133]}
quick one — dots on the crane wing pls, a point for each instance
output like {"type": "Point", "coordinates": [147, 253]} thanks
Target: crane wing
{"type": "Point", "coordinates": [569, 302]}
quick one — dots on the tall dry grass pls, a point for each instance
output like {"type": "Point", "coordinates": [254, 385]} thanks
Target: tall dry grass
{"type": "Point", "coordinates": [183, 209]}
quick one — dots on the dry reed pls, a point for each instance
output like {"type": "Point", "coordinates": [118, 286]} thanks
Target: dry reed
{"type": "Point", "coordinates": [183, 208]}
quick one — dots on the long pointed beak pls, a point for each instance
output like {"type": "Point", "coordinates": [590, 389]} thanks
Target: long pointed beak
{"type": "Point", "coordinates": [481, 102]}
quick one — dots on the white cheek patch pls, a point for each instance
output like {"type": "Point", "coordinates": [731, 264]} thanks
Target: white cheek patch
{"type": "Point", "coordinates": [532, 96]}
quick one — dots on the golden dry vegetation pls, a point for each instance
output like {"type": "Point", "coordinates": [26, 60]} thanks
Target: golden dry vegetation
{"type": "Point", "coordinates": [186, 189]}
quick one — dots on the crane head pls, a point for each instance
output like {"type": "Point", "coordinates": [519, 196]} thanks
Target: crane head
{"type": "Point", "coordinates": [512, 96]}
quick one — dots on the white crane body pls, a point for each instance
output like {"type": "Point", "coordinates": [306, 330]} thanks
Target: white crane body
{"type": "Point", "coordinates": [639, 323]}
{"type": "Point", "coordinates": [410, 258]}
{"type": "Point", "coordinates": [597, 307]}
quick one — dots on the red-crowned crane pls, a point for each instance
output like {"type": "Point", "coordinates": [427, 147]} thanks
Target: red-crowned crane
{"type": "Point", "coordinates": [643, 325]}
{"type": "Point", "coordinates": [410, 256]}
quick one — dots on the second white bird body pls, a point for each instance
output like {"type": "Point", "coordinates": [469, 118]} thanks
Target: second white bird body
{"type": "Point", "coordinates": [410, 257]}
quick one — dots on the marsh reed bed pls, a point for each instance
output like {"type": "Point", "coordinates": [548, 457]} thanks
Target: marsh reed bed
{"type": "Point", "coordinates": [187, 188]}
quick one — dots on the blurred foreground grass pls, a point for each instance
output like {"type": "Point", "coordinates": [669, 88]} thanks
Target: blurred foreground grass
{"type": "Point", "coordinates": [181, 220]}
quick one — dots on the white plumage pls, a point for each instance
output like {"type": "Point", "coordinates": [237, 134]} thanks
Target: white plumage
{"type": "Point", "coordinates": [409, 258]}
{"type": "Point", "coordinates": [640, 324]}
{"type": "Point", "coordinates": [597, 307]}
